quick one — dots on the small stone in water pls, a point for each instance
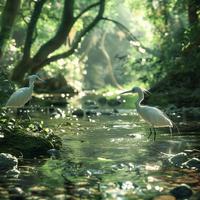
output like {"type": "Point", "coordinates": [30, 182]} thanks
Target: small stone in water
{"type": "Point", "coordinates": [193, 163]}
{"type": "Point", "coordinates": [78, 113]}
{"type": "Point", "coordinates": [102, 100]}
{"type": "Point", "coordinates": [54, 152]}
{"type": "Point", "coordinates": [178, 159]}
{"type": "Point", "coordinates": [182, 192]}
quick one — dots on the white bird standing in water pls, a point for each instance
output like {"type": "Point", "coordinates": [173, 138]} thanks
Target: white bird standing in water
{"type": "Point", "coordinates": [23, 95]}
{"type": "Point", "coordinates": [153, 116]}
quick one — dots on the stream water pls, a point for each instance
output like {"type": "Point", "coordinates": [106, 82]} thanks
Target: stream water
{"type": "Point", "coordinates": [105, 157]}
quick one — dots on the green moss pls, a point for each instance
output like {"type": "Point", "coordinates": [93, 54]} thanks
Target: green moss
{"type": "Point", "coordinates": [28, 138]}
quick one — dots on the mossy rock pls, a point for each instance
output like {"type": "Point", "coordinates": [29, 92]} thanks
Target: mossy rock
{"type": "Point", "coordinates": [29, 146]}
{"type": "Point", "coordinates": [29, 139]}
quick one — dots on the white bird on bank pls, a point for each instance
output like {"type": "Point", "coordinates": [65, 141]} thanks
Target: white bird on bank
{"type": "Point", "coordinates": [23, 95]}
{"type": "Point", "coordinates": [153, 116]}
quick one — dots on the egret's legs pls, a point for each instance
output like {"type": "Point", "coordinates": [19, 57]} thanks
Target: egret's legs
{"type": "Point", "coordinates": [150, 133]}
{"type": "Point", "coordinates": [154, 131]}
{"type": "Point", "coordinates": [170, 129]}
{"type": "Point", "coordinates": [23, 114]}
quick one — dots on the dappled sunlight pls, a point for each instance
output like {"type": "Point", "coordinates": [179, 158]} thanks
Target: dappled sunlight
{"type": "Point", "coordinates": [152, 167]}
{"type": "Point", "coordinates": [99, 99]}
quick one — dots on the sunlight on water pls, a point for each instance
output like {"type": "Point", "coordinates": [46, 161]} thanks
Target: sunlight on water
{"type": "Point", "coordinates": [107, 157]}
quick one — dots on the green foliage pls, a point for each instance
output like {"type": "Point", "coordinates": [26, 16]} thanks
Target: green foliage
{"type": "Point", "coordinates": [6, 88]}
{"type": "Point", "coordinates": [161, 41]}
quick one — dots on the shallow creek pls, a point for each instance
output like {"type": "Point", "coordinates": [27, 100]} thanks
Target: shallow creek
{"type": "Point", "coordinates": [105, 157]}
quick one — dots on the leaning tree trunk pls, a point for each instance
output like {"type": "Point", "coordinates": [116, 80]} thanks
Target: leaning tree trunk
{"type": "Point", "coordinates": [7, 20]}
{"type": "Point", "coordinates": [27, 63]}
{"type": "Point", "coordinates": [42, 58]}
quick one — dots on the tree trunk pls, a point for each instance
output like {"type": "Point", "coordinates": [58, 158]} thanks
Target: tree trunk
{"type": "Point", "coordinates": [193, 19]}
{"type": "Point", "coordinates": [7, 20]}
{"type": "Point", "coordinates": [27, 63]}
{"type": "Point", "coordinates": [42, 58]}
{"type": "Point", "coordinates": [31, 28]}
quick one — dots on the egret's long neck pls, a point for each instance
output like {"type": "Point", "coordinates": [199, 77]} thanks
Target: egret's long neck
{"type": "Point", "coordinates": [139, 100]}
{"type": "Point", "coordinates": [31, 84]}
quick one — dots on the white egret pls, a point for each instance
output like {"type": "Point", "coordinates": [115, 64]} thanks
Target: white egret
{"type": "Point", "coordinates": [20, 97]}
{"type": "Point", "coordinates": [153, 116]}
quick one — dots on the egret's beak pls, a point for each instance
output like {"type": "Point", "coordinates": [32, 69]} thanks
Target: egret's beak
{"type": "Point", "coordinates": [40, 79]}
{"type": "Point", "coordinates": [128, 91]}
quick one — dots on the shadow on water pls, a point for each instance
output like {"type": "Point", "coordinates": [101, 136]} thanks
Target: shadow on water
{"type": "Point", "coordinates": [106, 157]}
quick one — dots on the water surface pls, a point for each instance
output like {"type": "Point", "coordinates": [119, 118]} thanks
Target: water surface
{"type": "Point", "coordinates": [106, 157]}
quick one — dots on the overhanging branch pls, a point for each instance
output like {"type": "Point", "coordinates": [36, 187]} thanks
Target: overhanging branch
{"type": "Point", "coordinates": [86, 9]}
{"type": "Point", "coordinates": [78, 39]}
{"type": "Point", "coordinates": [131, 37]}
{"type": "Point", "coordinates": [31, 28]}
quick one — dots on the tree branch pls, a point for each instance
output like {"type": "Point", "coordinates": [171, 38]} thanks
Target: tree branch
{"type": "Point", "coordinates": [28, 65]}
{"type": "Point", "coordinates": [86, 9]}
{"type": "Point", "coordinates": [130, 35]}
{"type": "Point", "coordinates": [76, 42]}
{"type": "Point", "coordinates": [60, 36]}
{"type": "Point", "coordinates": [108, 61]}
{"type": "Point", "coordinates": [31, 28]}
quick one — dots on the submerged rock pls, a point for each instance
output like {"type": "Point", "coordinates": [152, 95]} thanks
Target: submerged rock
{"type": "Point", "coordinates": [102, 100]}
{"type": "Point", "coordinates": [90, 102]}
{"type": "Point", "coordinates": [182, 192]}
{"type": "Point", "coordinates": [91, 112]}
{"type": "Point", "coordinates": [54, 153]}
{"type": "Point", "coordinates": [178, 159]}
{"type": "Point", "coordinates": [7, 161]}
{"type": "Point", "coordinates": [78, 112]}
{"type": "Point", "coordinates": [114, 102]}
{"type": "Point", "coordinates": [106, 112]}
